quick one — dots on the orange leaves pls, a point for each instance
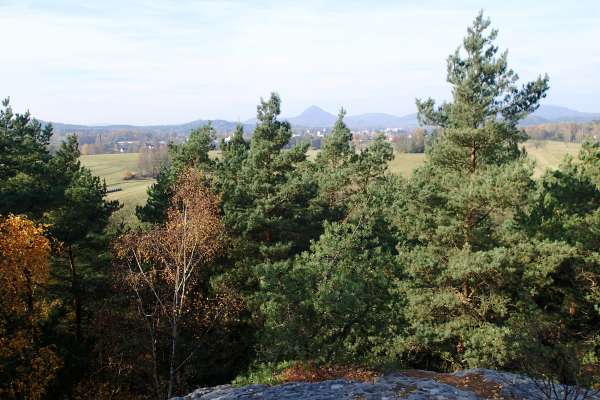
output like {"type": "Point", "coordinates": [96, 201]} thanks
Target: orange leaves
{"type": "Point", "coordinates": [25, 368]}
{"type": "Point", "coordinates": [24, 253]}
{"type": "Point", "coordinates": [192, 234]}
{"type": "Point", "coordinates": [164, 269]}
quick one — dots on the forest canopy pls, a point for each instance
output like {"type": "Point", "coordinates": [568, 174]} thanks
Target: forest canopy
{"type": "Point", "coordinates": [264, 256]}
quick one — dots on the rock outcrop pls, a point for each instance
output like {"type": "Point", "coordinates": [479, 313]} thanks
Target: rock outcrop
{"type": "Point", "coordinates": [414, 385]}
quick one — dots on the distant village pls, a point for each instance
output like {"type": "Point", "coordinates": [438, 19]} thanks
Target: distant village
{"type": "Point", "coordinates": [134, 142]}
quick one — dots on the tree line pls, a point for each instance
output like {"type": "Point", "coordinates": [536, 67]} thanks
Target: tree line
{"type": "Point", "coordinates": [566, 131]}
{"type": "Point", "coordinates": [263, 256]}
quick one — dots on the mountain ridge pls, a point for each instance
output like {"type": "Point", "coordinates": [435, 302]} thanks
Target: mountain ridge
{"type": "Point", "coordinates": [316, 117]}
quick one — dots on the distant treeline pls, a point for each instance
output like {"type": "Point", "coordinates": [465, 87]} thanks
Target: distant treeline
{"type": "Point", "coordinates": [565, 131]}
{"type": "Point", "coordinates": [414, 141]}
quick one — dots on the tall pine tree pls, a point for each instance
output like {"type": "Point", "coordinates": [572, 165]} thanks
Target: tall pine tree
{"type": "Point", "coordinates": [471, 274]}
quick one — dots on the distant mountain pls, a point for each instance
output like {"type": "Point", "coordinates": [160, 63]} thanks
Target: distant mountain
{"type": "Point", "coordinates": [381, 121]}
{"type": "Point", "coordinates": [316, 117]}
{"type": "Point", "coordinates": [313, 117]}
{"type": "Point", "coordinates": [221, 126]}
{"type": "Point", "coordinates": [550, 113]}
{"type": "Point", "coordinates": [374, 121]}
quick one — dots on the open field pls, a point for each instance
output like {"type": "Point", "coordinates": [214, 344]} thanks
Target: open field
{"type": "Point", "coordinates": [111, 167]}
{"type": "Point", "coordinates": [404, 163]}
{"type": "Point", "coordinates": [548, 154]}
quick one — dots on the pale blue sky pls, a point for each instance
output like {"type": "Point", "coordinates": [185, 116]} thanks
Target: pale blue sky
{"type": "Point", "coordinates": [170, 61]}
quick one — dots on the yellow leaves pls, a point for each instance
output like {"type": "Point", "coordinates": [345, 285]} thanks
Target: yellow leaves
{"type": "Point", "coordinates": [34, 376]}
{"type": "Point", "coordinates": [24, 252]}
{"type": "Point", "coordinates": [192, 234]}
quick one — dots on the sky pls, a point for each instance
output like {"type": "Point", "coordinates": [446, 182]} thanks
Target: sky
{"type": "Point", "coordinates": [173, 61]}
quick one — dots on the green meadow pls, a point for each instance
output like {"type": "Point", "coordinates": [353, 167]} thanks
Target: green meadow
{"type": "Point", "coordinates": [111, 167]}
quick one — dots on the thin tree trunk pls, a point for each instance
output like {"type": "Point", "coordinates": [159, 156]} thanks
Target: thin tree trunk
{"type": "Point", "coordinates": [76, 294]}
{"type": "Point", "coordinates": [159, 392]}
{"type": "Point", "coordinates": [174, 334]}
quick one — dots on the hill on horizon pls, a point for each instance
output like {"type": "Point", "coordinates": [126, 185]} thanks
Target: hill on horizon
{"type": "Point", "coordinates": [316, 117]}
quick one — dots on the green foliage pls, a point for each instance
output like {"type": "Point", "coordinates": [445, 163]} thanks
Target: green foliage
{"type": "Point", "coordinates": [334, 167]}
{"type": "Point", "coordinates": [470, 262]}
{"type": "Point", "coordinates": [566, 209]}
{"type": "Point", "coordinates": [480, 124]}
{"type": "Point", "coordinates": [270, 209]}
{"type": "Point", "coordinates": [336, 302]}
{"type": "Point", "coordinates": [24, 157]}
{"type": "Point", "coordinates": [83, 210]}
{"type": "Point", "coordinates": [194, 152]}
{"type": "Point", "coordinates": [263, 374]}
{"type": "Point", "coordinates": [337, 148]}
{"type": "Point", "coordinates": [567, 203]}
{"type": "Point", "coordinates": [475, 278]}
{"type": "Point", "coordinates": [233, 155]}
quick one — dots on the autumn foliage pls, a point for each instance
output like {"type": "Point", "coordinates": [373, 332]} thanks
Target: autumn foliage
{"type": "Point", "coordinates": [26, 367]}
{"type": "Point", "coordinates": [164, 270]}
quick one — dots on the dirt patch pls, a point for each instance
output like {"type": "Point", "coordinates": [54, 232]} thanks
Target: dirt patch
{"type": "Point", "coordinates": [313, 373]}
{"type": "Point", "coordinates": [474, 382]}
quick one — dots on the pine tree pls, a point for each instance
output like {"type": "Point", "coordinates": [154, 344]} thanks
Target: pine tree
{"type": "Point", "coordinates": [480, 124]}
{"type": "Point", "coordinates": [332, 302]}
{"type": "Point", "coordinates": [337, 302]}
{"type": "Point", "coordinates": [269, 208]}
{"type": "Point", "coordinates": [472, 274]}
{"type": "Point", "coordinates": [24, 157]}
{"type": "Point", "coordinates": [342, 173]}
{"type": "Point", "coordinates": [566, 209]}
{"type": "Point", "coordinates": [337, 148]}
{"type": "Point", "coordinates": [195, 153]}
{"type": "Point", "coordinates": [83, 213]}
{"type": "Point", "coordinates": [233, 155]}
{"type": "Point", "coordinates": [334, 168]}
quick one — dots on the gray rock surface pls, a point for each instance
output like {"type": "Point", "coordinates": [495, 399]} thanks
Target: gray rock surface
{"type": "Point", "coordinates": [415, 385]}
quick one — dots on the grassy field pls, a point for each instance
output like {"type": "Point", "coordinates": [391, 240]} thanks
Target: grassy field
{"type": "Point", "coordinates": [404, 163]}
{"type": "Point", "coordinates": [548, 154]}
{"type": "Point", "coordinates": [111, 167]}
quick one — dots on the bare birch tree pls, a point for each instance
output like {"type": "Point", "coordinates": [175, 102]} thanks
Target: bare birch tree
{"type": "Point", "coordinates": [164, 264]}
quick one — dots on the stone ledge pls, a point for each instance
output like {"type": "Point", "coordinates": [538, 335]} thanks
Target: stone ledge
{"type": "Point", "coordinates": [471, 384]}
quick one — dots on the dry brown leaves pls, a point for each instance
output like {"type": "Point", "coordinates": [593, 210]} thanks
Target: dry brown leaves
{"type": "Point", "coordinates": [313, 373]}
{"type": "Point", "coordinates": [192, 235]}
